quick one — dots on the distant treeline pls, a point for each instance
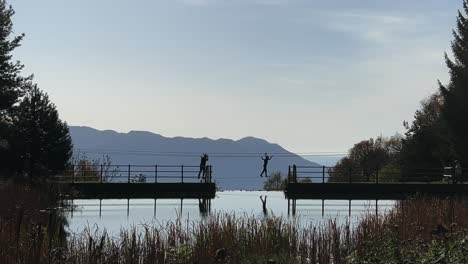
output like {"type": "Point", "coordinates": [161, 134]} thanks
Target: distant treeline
{"type": "Point", "coordinates": [33, 139]}
{"type": "Point", "coordinates": [436, 138]}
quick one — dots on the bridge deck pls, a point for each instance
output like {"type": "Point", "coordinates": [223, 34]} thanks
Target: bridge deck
{"type": "Point", "coordinates": [137, 181]}
{"type": "Point", "coordinates": [139, 190]}
{"type": "Point", "coordinates": [370, 190]}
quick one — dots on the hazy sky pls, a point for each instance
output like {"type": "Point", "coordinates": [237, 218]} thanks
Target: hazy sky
{"type": "Point", "coordinates": [310, 75]}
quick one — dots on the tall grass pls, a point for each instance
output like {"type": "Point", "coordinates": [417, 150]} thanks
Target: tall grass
{"type": "Point", "coordinates": [31, 225]}
{"type": "Point", "coordinates": [219, 239]}
{"type": "Point", "coordinates": [419, 230]}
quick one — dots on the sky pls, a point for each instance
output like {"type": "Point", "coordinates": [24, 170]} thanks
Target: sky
{"type": "Point", "coordinates": [310, 75]}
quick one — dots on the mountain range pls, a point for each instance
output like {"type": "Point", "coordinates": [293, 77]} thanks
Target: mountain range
{"type": "Point", "coordinates": [236, 163]}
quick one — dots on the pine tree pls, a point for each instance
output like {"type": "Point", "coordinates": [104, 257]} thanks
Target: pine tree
{"type": "Point", "coordinates": [42, 141]}
{"type": "Point", "coordinates": [455, 94]}
{"type": "Point", "coordinates": [428, 143]}
{"type": "Point", "coordinates": [12, 84]}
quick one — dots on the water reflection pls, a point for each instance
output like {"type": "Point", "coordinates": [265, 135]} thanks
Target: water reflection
{"type": "Point", "coordinates": [116, 214]}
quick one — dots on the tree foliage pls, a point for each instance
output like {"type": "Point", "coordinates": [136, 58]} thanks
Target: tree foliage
{"type": "Point", "coordinates": [42, 141]}
{"type": "Point", "coordinates": [85, 169]}
{"type": "Point", "coordinates": [427, 143]}
{"type": "Point", "coordinates": [32, 137]}
{"type": "Point", "coordinates": [438, 134]}
{"type": "Point", "coordinates": [367, 158]}
{"type": "Point", "coordinates": [455, 93]}
{"type": "Point", "coordinates": [276, 182]}
{"type": "Point", "coordinates": [12, 84]}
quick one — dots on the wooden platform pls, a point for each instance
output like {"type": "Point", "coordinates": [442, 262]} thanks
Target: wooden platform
{"type": "Point", "coordinates": [138, 190]}
{"type": "Point", "coordinates": [370, 191]}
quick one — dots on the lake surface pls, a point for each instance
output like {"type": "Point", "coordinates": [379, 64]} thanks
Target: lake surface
{"type": "Point", "coordinates": [116, 214]}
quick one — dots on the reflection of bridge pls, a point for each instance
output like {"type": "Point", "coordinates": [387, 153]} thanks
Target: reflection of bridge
{"type": "Point", "coordinates": [137, 181]}
{"type": "Point", "coordinates": [305, 182]}
{"type": "Point", "coordinates": [204, 207]}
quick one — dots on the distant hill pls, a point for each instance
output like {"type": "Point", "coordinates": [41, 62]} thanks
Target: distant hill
{"type": "Point", "coordinates": [145, 148]}
{"type": "Point", "coordinates": [329, 161]}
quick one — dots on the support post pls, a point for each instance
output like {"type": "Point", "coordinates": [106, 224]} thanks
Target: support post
{"type": "Point", "coordinates": [295, 206]}
{"type": "Point", "coordinates": [377, 208]}
{"type": "Point", "coordinates": [181, 205]}
{"type": "Point", "coordinates": [128, 207]}
{"type": "Point", "coordinates": [154, 215]}
{"type": "Point", "coordinates": [289, 180]}
{"type": "Point", "coordinates": [289, 203]}
{"type": "Point", "coordinates": [323, 207]}
{"type": "Point", "coordinates": [349, 209]}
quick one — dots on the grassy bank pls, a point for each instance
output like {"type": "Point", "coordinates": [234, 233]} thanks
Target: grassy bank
{"type": "Point", "coordinates": [420, 230]}
{"type": "Point", "coordinates": [31, 225]}
{"type": "Point", "coordinates": [416, 231]}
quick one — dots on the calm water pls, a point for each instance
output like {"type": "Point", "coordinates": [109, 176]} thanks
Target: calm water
{"type": "Point", "coordinates": [115, 214]}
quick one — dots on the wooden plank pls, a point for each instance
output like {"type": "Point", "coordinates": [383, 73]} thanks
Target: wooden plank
{"type": "Point", "coordinates": [138, 190]}
{"type": "Point", "coordinates": [370, 190]}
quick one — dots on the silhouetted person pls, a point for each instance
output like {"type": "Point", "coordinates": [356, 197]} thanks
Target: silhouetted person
{"type": "Point", "coordinates": [265, 165]}
{"type": "Point", "coordinates": [203, 161]}
{"type": "Point", "coordinates": [265, 211]}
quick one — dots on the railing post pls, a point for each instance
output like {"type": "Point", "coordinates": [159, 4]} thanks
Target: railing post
{"type": "Point", "coordinates": [128, 173]}
{"type": "Point", "coordinates": [289, 176]}
{"type": "Point", "coordinates": [211, 172]}
{"type": "Point", "coordinates": [155, 173]}
{"type": "Point", "coordinates": [295, 173]}
{"type": "Point", "coordinates": [101, 173]}
{"type": "Point", "coordinates": [323, 174]}
{"type": "Point", "coordinates": [73, 173]}
{"type": "Point", "coordinates": [182, 172]}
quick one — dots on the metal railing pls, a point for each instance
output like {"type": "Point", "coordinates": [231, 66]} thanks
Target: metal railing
{"type": "Point", "coordinates": [324, 174]}
{"type": "Point", "coordinates": [135, 174]}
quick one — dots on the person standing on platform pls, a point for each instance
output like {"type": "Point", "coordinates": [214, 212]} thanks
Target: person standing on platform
{"type": "Point", "coordinates": [265, 165]}
{"type": "Point", "coordinates": [203, 161]}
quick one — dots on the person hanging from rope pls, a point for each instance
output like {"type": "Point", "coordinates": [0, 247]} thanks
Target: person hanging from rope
{"type": "Point", "coordinates": [265, 165]}
{"type": "Point", "coordinates": [203, 161]}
